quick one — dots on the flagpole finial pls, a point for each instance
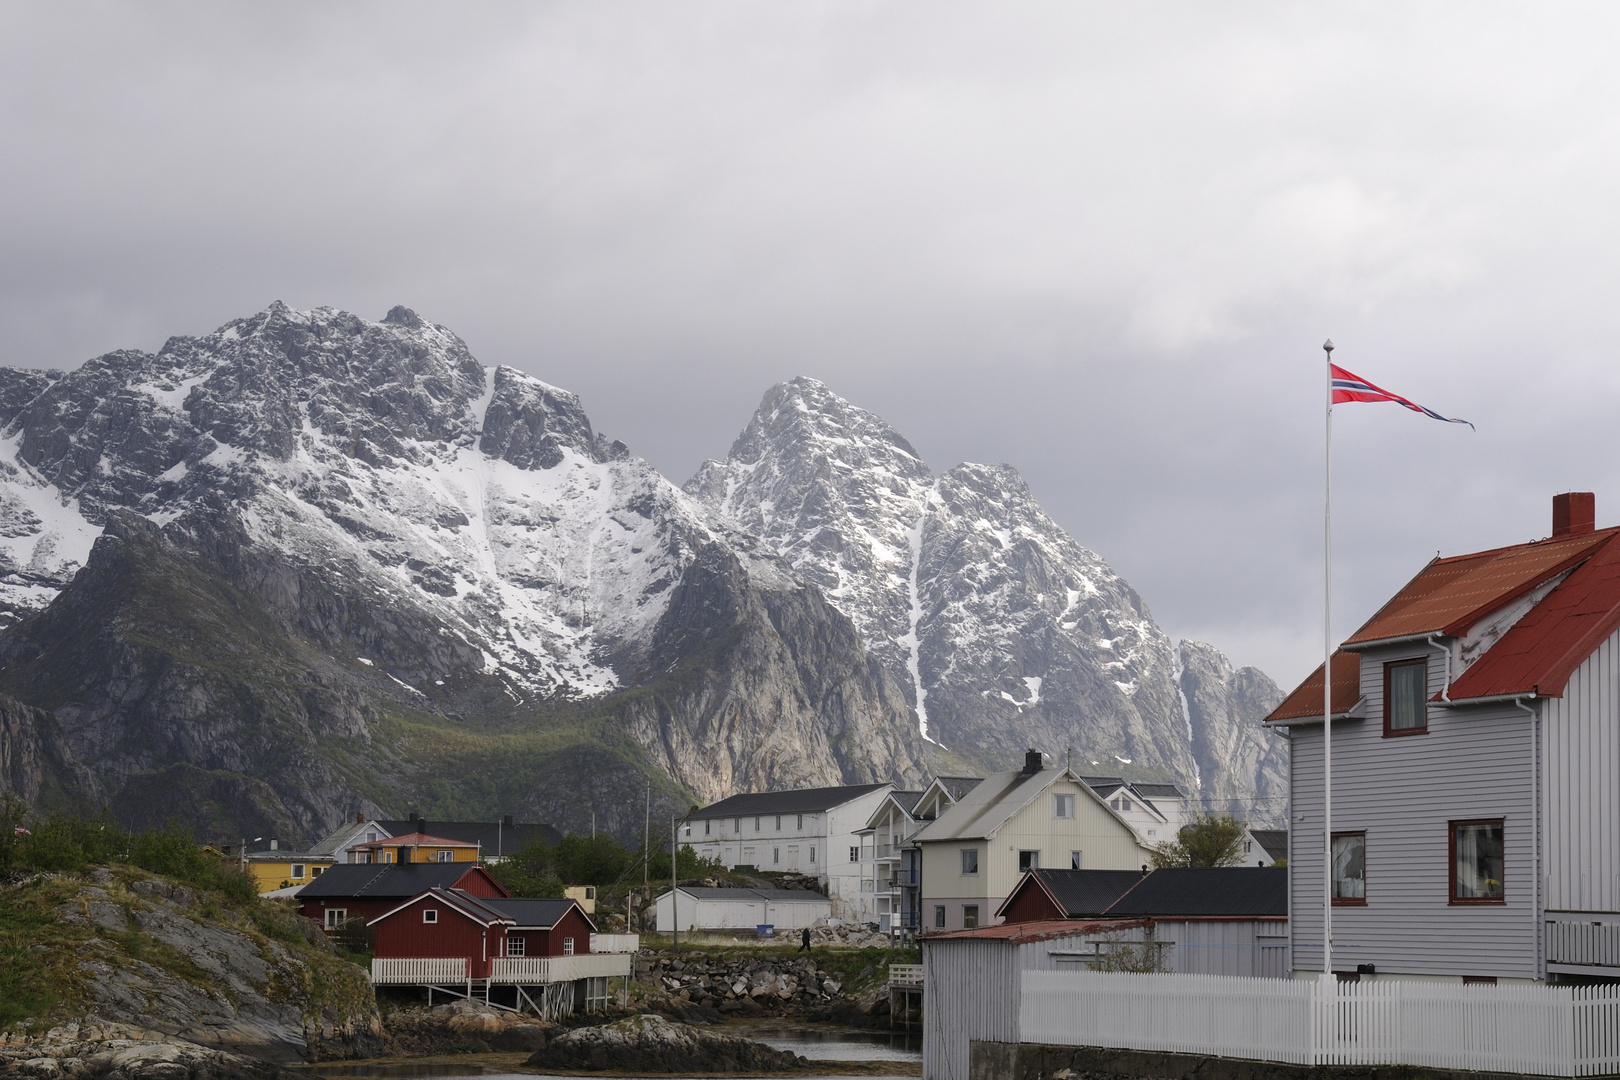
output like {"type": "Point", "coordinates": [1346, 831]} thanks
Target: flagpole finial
{"type": "Point", "coordinates": [1327, 346]}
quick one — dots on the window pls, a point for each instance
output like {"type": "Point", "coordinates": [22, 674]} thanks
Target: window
{"type": "Point", "coordinates": [689, 830]}
{"type": "Point", "coordinates": [1028, 860]}
{"type": "Point", "coordinates": [590, 892]}
{"type": "Point", "coordinates": [430, 915]}
{"type": "Point", "coordinates": [854, 854]}
{"type": "Point", "coordinates": [756, 824]}
{"type": "Point", "coordinates": [778, 822]}
{"type": "Point", "coordinates": [1406, 690]}
{"type": "Point", "coordinates": [568, 946]}
{"type": "Point", "coordinates": [1063, 806]}
{"type": "Point", "coordinates": [336, 917]}
{"type": "Point", "coordinates": [736, 825]}
{"type": "Point", "coordinates": [298, 871]}
{"type": "Point", "coordinates": [1074, 860]}
{"type": "Point", "coordinates": [970, 916]}
{"type": "Point", "coordinates": [387, 856]}
{"type": "Point", "coordinates": [318, 871]}
{"type": "Point", "coordinates": [1479, 980]}
{"type": "Point", "coordinates": [939, 916]}
{"type": "Point", "coordinates": [776, 855]}
{"type": "Point", "coordinates": [801, 821]}
{"type": "Point", "coordinates": [1123, 805]}
{"type": "Point", "coordinates": [812, 853]}
{"type": "Point", "coordinates": [706, 825]}
{"type": "Point", "coordinates": [970, 860]}
{"type": "Point", "coordinates": [447, 856]}
{"type": "Point", "coordinates": [1350, 869]}
{"type": "Point", "coordinates": [1476, 862]}
{"type": "Point", "coordinates": [515, 946]}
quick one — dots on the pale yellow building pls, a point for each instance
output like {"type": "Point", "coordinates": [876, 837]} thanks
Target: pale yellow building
{"type": "Point", "coordinates": [584, 896]}
{"type": "Point", "coordinates": [975, 851]}
{"type": "Point", "coordinates": [272, 870]}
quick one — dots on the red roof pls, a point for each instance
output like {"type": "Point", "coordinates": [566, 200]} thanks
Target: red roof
{"type": "Point", "coordinates": [1450, 595]}
{"type": "Point", "coordinates": [1305, 703]}
{"type": "Point", "coordinates": [1543, 649]}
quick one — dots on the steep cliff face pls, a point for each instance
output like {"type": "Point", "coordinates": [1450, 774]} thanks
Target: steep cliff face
{"type": "Point", "coordinates": [1246, 764]}
{"type": "Point", "coordinates": [341, 557]}
{"type": "Point", "coordinates": [1002, 631]}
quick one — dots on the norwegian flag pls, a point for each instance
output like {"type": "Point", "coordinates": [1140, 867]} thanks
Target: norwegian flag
{"type": "Point", "coordinates": [1348, 386]}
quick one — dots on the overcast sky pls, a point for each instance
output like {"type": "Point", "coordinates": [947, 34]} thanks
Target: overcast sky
{"type": "Point", "coordinates": [1102, 243]}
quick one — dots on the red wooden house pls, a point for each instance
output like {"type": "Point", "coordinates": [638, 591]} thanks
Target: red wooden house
{"type": "Point", "coordinates": [454, 923]}
{"type": "Point", "coordinates": [365, 891]}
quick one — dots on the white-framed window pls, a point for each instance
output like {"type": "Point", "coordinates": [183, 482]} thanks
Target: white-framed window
{"type": "Point", "coordinates": [970, 860]}
{"type": "Point", "coordinates": [736, 825]}
{"type": "Point", "coordinates": [387, 856]}
{"type": "Point", "coordinates": [568, 946]}
{"type": "Point", "coordinates": [689, 830]}
{"type": "Point", "coordinates": [1063, 806]}
{"type": "Point", "coordinates": [970, 916]}
{"type": "Point", "coordinates": [515, 946]}
{"type": "Point", "coordinates": [757, 820]}
{"type": "Point", "coordinates": [447, 856]}
{"type": "Point", "coordinates": [1123, 805]}
{"type": "Point", "coordinates": [336, 917]}
{"type": "Point", "coordinates": [778, 822]}
{"type": "Point", "coordinates": [776, 855]}
{"type": "Point", "coordinates": [430, 915]}
{"type": "Point", "coordinates": [801, 821]}
{"type": "Point", "coordinates": [706, 825]}
{"type": "Point", "coordinates": [812, 853]}
{"type": "Point", "coordinates": [1028, 860]}
{"type": "Point", "coordinates": [855, 854]}
{"type": "Point", "coordinates": [939, 916]}
{"type": "Point", "coordinates": [1074, 860]}
{"type": "Point", "coordinates": [298, 871]}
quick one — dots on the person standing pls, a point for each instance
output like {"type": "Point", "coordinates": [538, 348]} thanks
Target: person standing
{"type": "Point", "coordinates": [804, 940]}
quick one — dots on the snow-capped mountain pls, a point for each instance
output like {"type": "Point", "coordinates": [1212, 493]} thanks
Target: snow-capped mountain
{"type": "Point", "coordinates": [452, 537]}
{"type": "Point", "coordinates": [1006, 633]}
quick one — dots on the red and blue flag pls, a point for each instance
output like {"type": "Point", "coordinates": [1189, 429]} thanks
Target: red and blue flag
{"type": "Point", "coordinates": [1348, 386]}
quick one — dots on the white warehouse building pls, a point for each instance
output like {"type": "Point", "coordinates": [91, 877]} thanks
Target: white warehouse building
{"type": "Point", "coordinates": [810, 831]}
{"type": "Point", "coordinates": [692, 908]}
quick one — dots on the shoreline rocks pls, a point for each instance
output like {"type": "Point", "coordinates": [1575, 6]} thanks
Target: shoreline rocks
{"type": "Point", "coordinates": [648, 1043]}
{"type": "Point", "coordinates": [69, 1053]}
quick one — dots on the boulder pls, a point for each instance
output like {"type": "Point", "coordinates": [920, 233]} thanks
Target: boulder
{"type": "Point", "coordinates": [651, 1044]}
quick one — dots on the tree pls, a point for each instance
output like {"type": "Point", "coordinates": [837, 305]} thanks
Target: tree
{"type": "Point", "coordinates": [1208, 840]}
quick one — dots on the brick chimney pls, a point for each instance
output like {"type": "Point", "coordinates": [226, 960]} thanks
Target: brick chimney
{"type": "Point", "coordinates": [1574, 512]}
{"type": "Point", "coordinates": [1032, 762]}
{"type": "Point", "coordinates": [359, 817]}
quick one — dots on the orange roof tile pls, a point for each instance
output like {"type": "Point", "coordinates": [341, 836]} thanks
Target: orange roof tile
{"type": "Point", "coordinates": [1450, 595]}
{"type": "Point", "coordinates": [416, 840]}
{"type": "Point", "coordinates": [1305, 703]}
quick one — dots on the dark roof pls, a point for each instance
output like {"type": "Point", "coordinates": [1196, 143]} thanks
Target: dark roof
{"type": "Point", "coordinates": [384, 881]}
{"type": "Point", "coordinates": [1102, 785]}
{"type": "Point", "coordinates": [1275, 841]}
{"type": "Point", "coordinates": [1305, 703]}
{"type": "Point", "coordinates": [1195, 891]}
{"type": "Point", "coordinates": [958, 786]}
{"type": "Point", "coordinates": [1087, 893]}
{"type": "Point", "coordinates": [456, 899]}
{"type": "Point", "coordinates": [1160, 791]}
{"type": "Point", "coordinates": [804, 801]}
{"type": "Point", "coordinates": [701, 893]}
{"type": "Point", "coordinates": [495, 838]}
{"type": "Point", "coordinates": [907, 799]}
{"type": "Point", "coordinates": [537, 914]}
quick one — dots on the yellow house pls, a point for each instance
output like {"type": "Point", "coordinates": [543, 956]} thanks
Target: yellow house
{"type": "Point", "coordinates": [414, 848]}
{"type": "Point", "coordinates": [976, 850]}
{"type": "Point", "coordinates": [583, 895]}
{"type": "Point", "coordinates": [272, 870]}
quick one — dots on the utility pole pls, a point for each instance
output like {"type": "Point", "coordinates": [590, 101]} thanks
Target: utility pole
{"type": "Point", "coordinates": [646, 840]}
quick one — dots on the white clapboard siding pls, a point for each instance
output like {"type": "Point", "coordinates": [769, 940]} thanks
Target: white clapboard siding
{"type": "Point", "coordinates": [1582, 786]}
{"type": "Point", "coordinates": [1511, 1028]}
{"type": "Point", "coordinates": [1403, 792]}
{"type": "Point", "coordinates": [419, 971]}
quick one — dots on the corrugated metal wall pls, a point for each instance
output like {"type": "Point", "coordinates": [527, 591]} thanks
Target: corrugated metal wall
{"type": "Point", "coordinates": [1404, 792]}
{"type": "Point", "coordinates": [1582, 787]}
{"type": "Point", "coordinates": [1218, 947]}
{"type": "Point", "coordinates": [970, 991]}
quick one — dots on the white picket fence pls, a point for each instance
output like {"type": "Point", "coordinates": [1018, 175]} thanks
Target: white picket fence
{"type": "Point", "coordinates": [1540, 1030]}
{"type": "Point", "coordinates": [537, 970]}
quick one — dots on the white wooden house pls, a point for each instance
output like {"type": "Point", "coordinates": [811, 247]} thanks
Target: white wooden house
{"type": "Point", "coordinates": [1476, 770]}
{"type": "Point", "coordinates": [1156, 811]}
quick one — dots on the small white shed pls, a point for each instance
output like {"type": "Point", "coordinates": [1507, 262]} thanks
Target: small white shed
{"type": "Point", "coordinates": [695, 908]}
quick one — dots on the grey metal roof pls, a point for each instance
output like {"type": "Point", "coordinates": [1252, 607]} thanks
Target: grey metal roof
{"type": "Point", "coordinates": [803, 801]}
{"type": "Point", "coordinates": [774, 895]}
{"type": "Point", "coordinates": [1102, 784]}
{"type": "Point", "coordinates": [1199, 891]}
{"type": "Point", "coordinates": [340, 837]}
{"type": "Point", "coordinates": [988, 805]}
{"type": "Point", "coordinates": [958, 786]}
{"type": "Point", "coordinates": [531, 914]}
{"type": "Point", "coordinates": [1087, 894]}
{"type": "Point", "coordinates": [1275, 841]}
{"type": "Point", "coordinates": [383, 881]}
{"type": "Point", "coordinates": [1160, 791]}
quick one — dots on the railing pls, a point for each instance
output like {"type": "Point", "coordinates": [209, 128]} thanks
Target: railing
{"type": "Point", "coordinates": [1544, 1030]}
{"type": "Point", "coordinates": [419, 971]}
{"type": "Point", "coordinates": [536, 970]}
{"type": "Point", "coordinates": [909, 976]}
{"type": "Point", "coordinates": [1588, 944]}
{"type": "Point", "coordinates": [615, 943]}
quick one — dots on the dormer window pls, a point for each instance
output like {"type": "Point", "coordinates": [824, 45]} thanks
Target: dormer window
{"type": "Point", "coordinates": [1406, 697]}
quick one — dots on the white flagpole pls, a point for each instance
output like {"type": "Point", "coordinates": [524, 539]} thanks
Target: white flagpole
{"type": "Point", "coordinates": [1327, 678]}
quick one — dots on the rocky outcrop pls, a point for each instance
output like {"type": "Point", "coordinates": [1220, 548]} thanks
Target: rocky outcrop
{"type": "Point", "coordinates": [652, 1044]}
{"type": "Point", "coordinates": [462, 1027]}
{"type": "Point", "coordinates": [1245, 763]}
{"type": "Point", "coordinates": [135, 951]}
{"type": "Point", "coordinates": [113, 1052]}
